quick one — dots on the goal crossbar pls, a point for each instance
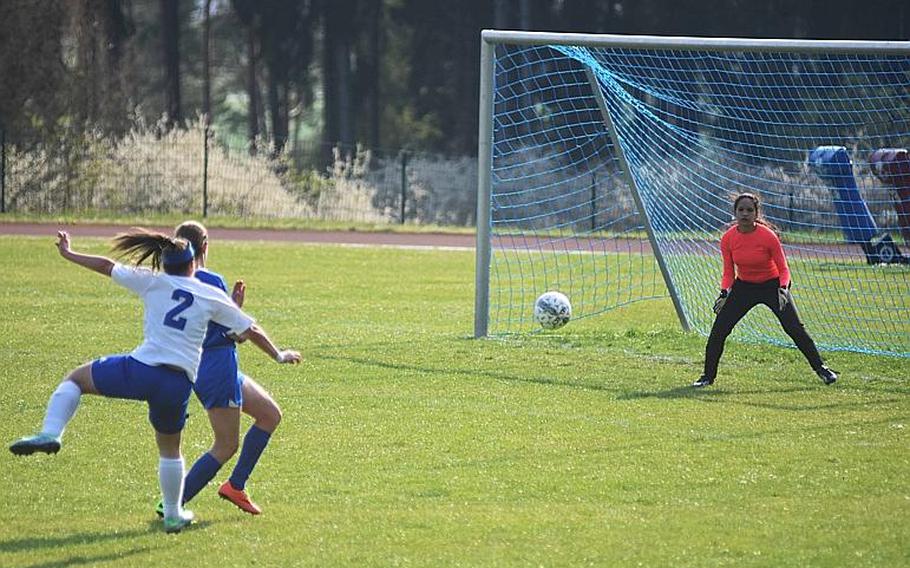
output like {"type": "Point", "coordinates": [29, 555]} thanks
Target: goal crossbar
{"type": "Point", "coordinates": [687, 43]}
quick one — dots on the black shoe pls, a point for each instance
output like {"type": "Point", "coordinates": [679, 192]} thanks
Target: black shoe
{"type": "Point", "coordinates": [703, 381]}
{"type": "Point", "coordinates": [826, 375]}
{"type": "Point", "coordinates": [37, 443]}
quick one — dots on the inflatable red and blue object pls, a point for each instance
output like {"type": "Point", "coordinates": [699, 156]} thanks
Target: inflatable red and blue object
{"type": "Point", "coordinates": [832, 164]}
{"type": "Point", "coordinates": [892, 167]}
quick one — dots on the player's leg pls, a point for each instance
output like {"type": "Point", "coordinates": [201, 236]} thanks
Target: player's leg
{"type": "Point", "coordinates": [266, 414]}
{"type": "Point", "coordinates": [793, 325]}
{"type": "Point", "coordinates": [218, 387]}
{"type": "Point", "coordinates": [226, 429]}
{"type": "Point", "coordinates": [225, 424]}
{"type": "Point", "coordinates": [260, 406]}
{"type": "Point", "coordinates": [167, 413]}
{"type": "Point", "coordinates": [738, 304]}
{"type": "Point", "coordinates": [61, 407]}
{"type": "Point", "coordinates": [170, 480]}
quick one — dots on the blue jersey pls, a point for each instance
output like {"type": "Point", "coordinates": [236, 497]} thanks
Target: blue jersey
{"type": "Point", "coordinates": [216, 336]}
{"type": "Point", "coordinates": [219, 381]}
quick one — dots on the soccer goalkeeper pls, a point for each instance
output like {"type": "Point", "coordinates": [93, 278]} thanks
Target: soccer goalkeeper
{"type": "Point", "coordinates": [755, 272]}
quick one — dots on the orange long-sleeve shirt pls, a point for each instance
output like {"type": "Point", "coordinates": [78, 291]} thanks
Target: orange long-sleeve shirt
{"type": "Point", "coordinates": [753, 257]}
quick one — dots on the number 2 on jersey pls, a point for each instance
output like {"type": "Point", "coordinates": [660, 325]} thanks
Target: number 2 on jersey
{"type": "Point", "coordinates": [185, 300]}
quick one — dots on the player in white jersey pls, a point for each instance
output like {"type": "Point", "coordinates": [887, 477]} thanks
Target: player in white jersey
{"type": "Point", "coordinates": [177, 311]}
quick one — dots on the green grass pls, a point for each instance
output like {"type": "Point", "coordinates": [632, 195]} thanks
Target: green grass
{"type": "Point", "coordinates": [405, 442]}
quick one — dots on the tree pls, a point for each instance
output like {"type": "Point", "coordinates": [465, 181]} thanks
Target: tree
{"type": "Point", "coordinates": [206, 62]}
{"type": "Point", "coordinates": [286, 50]}
{"type": "Point", "coordinates": [442, 49]}
{"type": "Point", "coordinates": [370, 54]}
{"type": "Point", "coordinates": [170, 43]}
{"type": "Point", "coordinates": [338, 127]}
{"type": "Point", "coordinates": [62, 66]}
{"type": "Point", "coordinates": [248, 15]}
{"type": "Point", "coordinates": [279, 36]}
{"type": "Point", "coordinates": [31, 67]}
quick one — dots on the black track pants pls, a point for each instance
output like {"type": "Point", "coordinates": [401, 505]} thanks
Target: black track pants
{"type": "Point", "coordinates": [743, 297]}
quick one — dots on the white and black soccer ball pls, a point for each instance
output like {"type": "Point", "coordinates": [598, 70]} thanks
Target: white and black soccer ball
{"type": "Point", "coordinates": [552, 310]}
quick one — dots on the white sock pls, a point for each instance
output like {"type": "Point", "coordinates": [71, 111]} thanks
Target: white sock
{"type": "Point", "coordinates": [170, 478]}
{"type": "Point", "coordinates": [61, 408]}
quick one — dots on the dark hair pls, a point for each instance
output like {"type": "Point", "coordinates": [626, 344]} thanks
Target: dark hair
{"type": "Point", "coordinates": [759, 218]}
{"type": "Point", "coordinates": [142, 244]}
{"type": "Point", "coordinates": [195, 233]}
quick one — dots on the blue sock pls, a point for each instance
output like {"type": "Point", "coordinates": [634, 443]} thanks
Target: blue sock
{"type": "Point", "coordinates": [200, 474]}
{"type": "Point", "coordinates": [253, 444]}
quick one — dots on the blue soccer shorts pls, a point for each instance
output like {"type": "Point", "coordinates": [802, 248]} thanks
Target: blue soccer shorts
{"type": "Point", "coordinates": [219, 382]}
{"type": "Point", "coordinates": [167, 391]}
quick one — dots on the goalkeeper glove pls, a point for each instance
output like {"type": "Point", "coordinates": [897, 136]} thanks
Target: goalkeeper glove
{"type": "Point", "coordinates": [783, 297]}
{"type": "Point", "coordinates": [720, 301]}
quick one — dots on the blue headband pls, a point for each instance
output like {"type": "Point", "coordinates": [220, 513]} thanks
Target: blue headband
{"type": "Point", "coordinates": [175, 256]}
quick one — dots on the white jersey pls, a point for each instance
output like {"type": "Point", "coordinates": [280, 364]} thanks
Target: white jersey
{"type": "Point", "coordinates": [177, 314]}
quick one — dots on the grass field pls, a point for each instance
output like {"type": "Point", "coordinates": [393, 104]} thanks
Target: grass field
{"type": "Point", "coordinates": [406, 443]}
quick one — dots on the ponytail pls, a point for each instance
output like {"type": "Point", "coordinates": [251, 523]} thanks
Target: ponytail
{"type": "Point", "coordinates": [175, 254]}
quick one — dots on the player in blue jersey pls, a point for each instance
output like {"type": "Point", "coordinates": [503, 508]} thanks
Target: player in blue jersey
{"type": "Point", "coordinates": [177, 311]}
{"type": "Point", "coordinates": [224, 392]}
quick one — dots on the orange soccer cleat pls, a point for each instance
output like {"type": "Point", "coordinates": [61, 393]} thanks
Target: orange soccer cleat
{"type": "Point", "coordinates": [238, 497]}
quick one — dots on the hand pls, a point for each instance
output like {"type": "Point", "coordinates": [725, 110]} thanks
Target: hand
{"type": "Point", "coordinates": [63, 243]}
{"type": "Point", "coordinates": [783, 297]}
{"type": "Point", "coordinates": [288, 356]}
{"type": "Point", "coordinates": [720, 301]}
{"type": "Point", "coordinates": [238, 293]}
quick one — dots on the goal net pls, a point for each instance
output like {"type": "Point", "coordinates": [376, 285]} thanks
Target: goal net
{"type": "Point", "coordinates": [607, 167]}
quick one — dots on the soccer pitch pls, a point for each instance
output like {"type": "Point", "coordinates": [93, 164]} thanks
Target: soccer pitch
{"type": "Point", "coordinates": [405, 442]}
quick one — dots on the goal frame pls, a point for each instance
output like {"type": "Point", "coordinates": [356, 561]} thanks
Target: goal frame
{"type": "Point", "coordinates": [489, 39]}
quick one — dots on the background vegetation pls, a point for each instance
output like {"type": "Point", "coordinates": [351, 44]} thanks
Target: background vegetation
{"type": "Point", "coordinates": [355, 110]}
{"type": "Point", "coordinates": [386, 74]}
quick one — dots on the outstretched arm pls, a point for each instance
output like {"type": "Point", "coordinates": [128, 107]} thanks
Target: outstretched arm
{"type": "Point", "coordinates": [257, 335]}
{"type": "Point", "coordinates": [99, 264]}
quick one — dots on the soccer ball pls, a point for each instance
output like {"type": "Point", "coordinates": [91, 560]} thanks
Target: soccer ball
{"type": "Point", "coordinates": [552, 310]}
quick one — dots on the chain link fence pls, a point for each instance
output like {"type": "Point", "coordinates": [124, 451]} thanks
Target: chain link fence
{"type": "Point", "coordinates": [193, 171]}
